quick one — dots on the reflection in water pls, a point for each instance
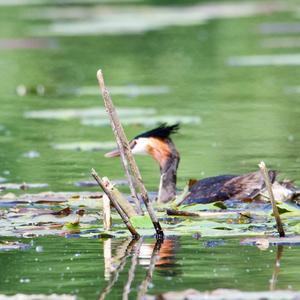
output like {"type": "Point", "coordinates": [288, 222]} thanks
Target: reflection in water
{"type": "Point", "coordinates": [131, 272]}
{"type": "Point", "coordinates": [122, 253]}
{"type": "Point", "coordinates": [156, 254]}
{"type": "Point", "coordinates": [276, 270]}
{"type": "Point", "coordinates": [148, 278]}
{"type": "Point", "coordinates": [107, 258]}
{"type": "Point", "coordinates": [166, 263]}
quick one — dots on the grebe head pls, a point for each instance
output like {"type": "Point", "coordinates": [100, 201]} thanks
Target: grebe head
{"type": "Point", "coordinates": [158, 144]}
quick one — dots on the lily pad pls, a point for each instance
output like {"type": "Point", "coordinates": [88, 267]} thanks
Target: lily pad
{"type": "Point", "coordinates": [141, 221]}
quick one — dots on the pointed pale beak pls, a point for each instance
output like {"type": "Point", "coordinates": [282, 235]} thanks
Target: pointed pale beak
{"type": "Point", "coordinates": [116, 152]}
{"type": "Point", "coordinates": [113, 153]}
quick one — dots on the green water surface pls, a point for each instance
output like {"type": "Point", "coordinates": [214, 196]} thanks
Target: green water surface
{"type": "Point", "coordinates": [248, 114]}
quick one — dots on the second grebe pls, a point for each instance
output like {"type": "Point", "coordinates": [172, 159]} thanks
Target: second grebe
{"type": "Point", "coordinates": [158, 144]}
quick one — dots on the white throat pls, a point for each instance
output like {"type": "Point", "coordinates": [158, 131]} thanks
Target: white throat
{"type": "Point", "coordinates": [140, 147]}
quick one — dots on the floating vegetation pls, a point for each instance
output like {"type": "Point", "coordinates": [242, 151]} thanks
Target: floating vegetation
{"type": "Point", "coordinates": [281, 43]}
{"type": "Point", "coordinates": [226, 294]}
{"type": "Point", "coordinates": [265, 60]}
{"type": "Point", "coordinates": [2, 179]}
{"type": "Point", "coordinates": [280, 28]}
{"type": "Point", "coordinates": [27, 43]}
{"type": "Point", "coordinates": [89, 183]}
{"type": "Point", "coordinates": [85, 146]}
{"type": "Point", "coordinates": [292, 90]}
{"type": "Point", "coordinates": [54, 213]}
{"type": "Point", "coordinates": [137, 19]}
{"type": "Point", "coordinates": [292, 240]}
{"type": "Point", "coordinates": [22, 186]}
{"type": "Point", "coordinates": [79, 113]}
{"type": "Point", "coordinates": [13, 245]}
{"type": "Point", "coordinates": [37, 296]}
{"type": "Point", "coordinates": [23, 90]}
{"type": "Point", "coordinates": [129, 90]}
{"type": "Point", "coordinates": [31, 154]}
{"type": "Point", "coordinates": [142, 121]}
{"type": "Point", "coordinates": [51, 198]}
{"type": "Point", "coordinates": [19, 2]}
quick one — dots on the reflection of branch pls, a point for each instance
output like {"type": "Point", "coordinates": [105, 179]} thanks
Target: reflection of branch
{"type": "Point", "coordinates": [119, 268]}
{"type": "Point", "coordinates": [276, 270]}
{"type": "Point", "coordinates": [107, 258]}
{"type": "Point", "coordinates": [154, 257]}
{"type": "Point", "coordinates": [131, 271]}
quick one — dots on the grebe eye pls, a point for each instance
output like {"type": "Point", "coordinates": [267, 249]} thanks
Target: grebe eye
{"type": "Point", "coordinates": [132, 143]}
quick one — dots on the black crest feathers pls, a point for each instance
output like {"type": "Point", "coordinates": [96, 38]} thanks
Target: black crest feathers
{"type": "Point", "coordinates": [161, 132]}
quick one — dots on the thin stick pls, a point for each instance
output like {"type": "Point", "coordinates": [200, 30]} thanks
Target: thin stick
{"type": "Point", "coordinates": [268, 184]}
{"type": "Point", "coordinates": [123, 202]}
{"type": "Point", "coordinates": [115, 203]}
{"type": "Point", "coordinates": [117, 128]}
{"type": "Point", "coordinates": [125, 147]}
{"type": "Point", "coordinates": [106, 213]}
{"type": "Point", "coordinates": [204, 214]}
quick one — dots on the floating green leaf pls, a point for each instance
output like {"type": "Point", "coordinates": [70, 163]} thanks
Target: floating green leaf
{"type": "Point", "coordinates": [141, 221]}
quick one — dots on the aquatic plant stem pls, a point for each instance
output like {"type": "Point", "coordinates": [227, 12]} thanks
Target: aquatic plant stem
{"type": "Point", "coordinates": [106, 213]}
{"type": "Point", "coordinates": [115, 203]}
{"type": "Point", "coordinates": [265, 174]}
{"type": "Point", "coordinates": [124, 147]}
{"type": "Point", "coordinates": [119, 133]}
{"type": "Point", "coordinates": [203, 214]}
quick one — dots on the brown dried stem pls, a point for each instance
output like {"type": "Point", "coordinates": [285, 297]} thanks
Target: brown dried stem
{"type": "Point", "coordinates": [268, 184]}
{"type": "Point", "coordinates": [124, 148]}
{"type": "Point", "coordinates": [106, 213]}
{"type": "Point", "coordinates": [115, 203]}
{"type": "Point", "coordinates": [120, 138]}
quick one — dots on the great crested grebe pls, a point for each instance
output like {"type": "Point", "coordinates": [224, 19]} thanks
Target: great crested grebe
{"type": "Point", "coordinates": [158, 144]}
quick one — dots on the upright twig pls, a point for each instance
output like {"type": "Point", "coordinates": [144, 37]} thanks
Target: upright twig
{"type": "Point", "coordinates": [117, 129]}
{"type": "Point", "coordinates": [106, 213]}
{"type": "Point", "coordinates": [124, 147]}
{"type": "Point", "coordinates": [115, 203]}
{"type": "Point", "coordinates": [268, 184]}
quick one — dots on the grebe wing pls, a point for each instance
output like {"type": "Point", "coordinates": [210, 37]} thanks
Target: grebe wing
{"type": "Point", "coordinates": [224, 187]}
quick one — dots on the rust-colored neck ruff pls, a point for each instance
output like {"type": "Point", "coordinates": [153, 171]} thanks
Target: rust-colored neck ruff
{"type": "Point", "coordinates": [165, 153]}
{"type": "Point", "coordinates": [160, 150]}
